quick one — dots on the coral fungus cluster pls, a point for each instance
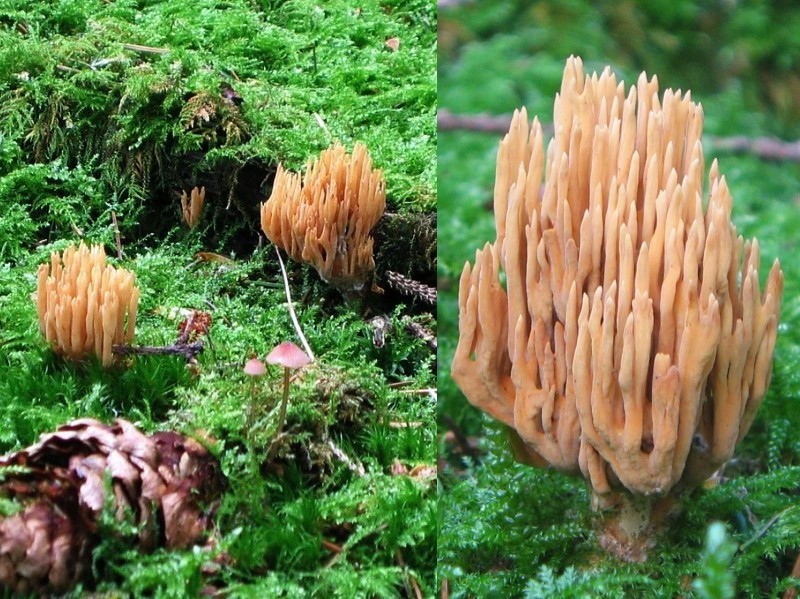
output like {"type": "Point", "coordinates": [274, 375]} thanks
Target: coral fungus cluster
{"type": "Point", "coordinates": [325, 217]}
{"type": "Point", "coordinates": [85, 305]}
{"type": "Point", "coordinates": [631, 342]}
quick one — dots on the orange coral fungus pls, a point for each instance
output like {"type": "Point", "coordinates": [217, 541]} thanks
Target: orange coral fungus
{"type": "Point", "coordinates": [326, 219]}
{"type": "Point", "coordinates": [85, 305]}
{"type": "Point", "coordinates": [192, 207]}
{"type": "Point", "coordinates": [630, 343]}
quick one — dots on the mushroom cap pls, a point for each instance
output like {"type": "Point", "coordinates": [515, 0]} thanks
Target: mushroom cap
{"type": "Point", "coordinates": [255, 367]}
{"type": "Point", "coordinates": [288, 355]}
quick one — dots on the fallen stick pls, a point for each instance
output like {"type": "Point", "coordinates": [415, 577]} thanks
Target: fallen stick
{"type": "Point", "coordinates": [145, 49]}
{"type": "Point", "coordinates": [421, 332]}
{"type": "Point", "coordinates": [353, 465]}
{"type": "Point", "coordinates": [189, 351]}
{"type": "Point", "coordinates": [408, 286]}
{"type": "Point", "coordinates": [117, 238]}
{"type": "Point", "coordinates": [414, 584]}
{"type": "Point", "coordinates": [764, 147]}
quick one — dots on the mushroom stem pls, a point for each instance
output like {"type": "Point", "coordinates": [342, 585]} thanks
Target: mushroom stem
{"type": "Point", "coordinates": [629, 524]}
{"type": "Point", "coordinates": [284, 403]}
{"type": "Point", "coordinates": [288, 355]}
{"type": "Point", "coordinates": [253, 407]}
{"type": "Point", "coordinates": [281, 415]}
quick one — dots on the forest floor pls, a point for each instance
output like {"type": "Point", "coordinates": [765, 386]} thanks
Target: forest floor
{"type": "Point", "coordinates": [109, 111]}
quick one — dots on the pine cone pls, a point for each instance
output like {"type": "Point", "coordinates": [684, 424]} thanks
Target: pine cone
{"type": "Point", "coordinates": [408, 286]}
{"type": "Point", "coordinates": [60, 484]}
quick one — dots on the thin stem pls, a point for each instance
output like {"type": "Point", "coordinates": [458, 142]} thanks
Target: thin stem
{"type": "Point", "coordinates": [117, 237]}
{"type": "Point", "coordinates": [253, 406]}
{"type": "Point", "coordinates": [284, 402]}
{"type": "Point", "coordinates": [281, 414]}
{"type": "Point", "coordinates": [189, 351]}
{"type": "Point", "coordinates": [297, 328]}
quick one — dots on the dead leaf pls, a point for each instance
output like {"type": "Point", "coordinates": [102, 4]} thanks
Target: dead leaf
{"type": "Point", "coordinates": [212, 257]}
{"type": "Point", "coordinates": [423, 472]}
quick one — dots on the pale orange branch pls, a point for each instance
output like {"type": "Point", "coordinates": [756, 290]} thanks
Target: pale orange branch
{"type": "Point", "coordinates": [192, 207]}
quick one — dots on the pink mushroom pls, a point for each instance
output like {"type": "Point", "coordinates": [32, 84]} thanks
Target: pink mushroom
{"type": "Point", "coordinates": [255, 367]}
{"type": "Point", "coordinates": [288, 355]}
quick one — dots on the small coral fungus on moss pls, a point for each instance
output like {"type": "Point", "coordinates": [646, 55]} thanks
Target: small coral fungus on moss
{"type": "Point", "coordinates": [326, 216]}
{"type": "Point", "coordinates": [85, 305]}
{"type": "Point", "coordinates": [631, 343]}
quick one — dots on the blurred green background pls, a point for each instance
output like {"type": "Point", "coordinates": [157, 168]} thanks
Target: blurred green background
{"type": "Point", "coordinates": [741, 60]}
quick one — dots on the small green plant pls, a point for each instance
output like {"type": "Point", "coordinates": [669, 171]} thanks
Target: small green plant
{"type": "Point", "coordinates": [716, 581]}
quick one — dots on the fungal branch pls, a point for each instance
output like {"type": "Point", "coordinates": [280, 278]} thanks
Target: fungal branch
{"type": "Point", "coordinates": [192, 206]}
{"type": "Point", "coordinates": [631, 342]}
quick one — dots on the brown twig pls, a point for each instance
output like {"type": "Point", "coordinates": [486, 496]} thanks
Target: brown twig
{"type": "Point", "coordinates": [117, 237]}
{"type": "Point", "coordinates": [481, 123]}
{"type": "Point", "coordinates": [146, 49]}
{"type": "Point", "coordinates": [332, 562]}
{"type": "Point", "coordinates": [420, 332]}
{"type": "Point", "coordinates": [187, 329]}
{"type": "Point", "coordinates": [408, 286]}
{"type": "Point", "coordinates": [427, 391]}
{"type": "Point", "coordinates": [762, 147]}
{"type": "Point", "coordinates": [445, 589]}
{"type": "Point", "coordinates": [400, 384]}
{"type": "Point", "coordinates": [353, 465]}
{"type": "Point", "coordinates": [331, 546]}
{"type": "Point", "coordinates": [413, 581]}
{"type": "Point", "coordinates": [791, 592]}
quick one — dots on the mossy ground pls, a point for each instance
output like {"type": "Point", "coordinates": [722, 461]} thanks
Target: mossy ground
{"type": "Point", "coordinates": [117, 107]}
{"type": "Point", "coordinates": [510, 530]}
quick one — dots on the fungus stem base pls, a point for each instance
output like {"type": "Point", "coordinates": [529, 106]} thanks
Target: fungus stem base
{"type": "Point", "coordinates": [628, 525]}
